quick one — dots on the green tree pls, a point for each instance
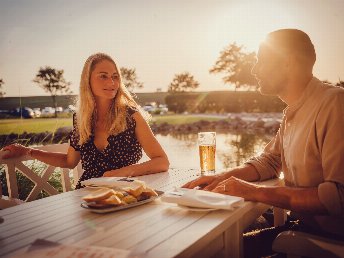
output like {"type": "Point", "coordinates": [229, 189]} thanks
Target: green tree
{"type": "Point", "coordinates": [52, 81]}
{"type": "Point", "coordinates": [183, 82]}
{"type": "Point", "coordinates": [2, 93]}
{"type": "Point", "coordinates": [130, 79]}
{"type": "Point", "coordinates": [236, 65]}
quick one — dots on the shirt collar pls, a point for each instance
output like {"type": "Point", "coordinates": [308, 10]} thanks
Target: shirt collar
{"type": "Point", "coordinates": [310, 88]}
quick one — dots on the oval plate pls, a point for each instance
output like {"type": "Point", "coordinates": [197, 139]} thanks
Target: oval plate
{"type": "Point", "coordinates": [121, 207]}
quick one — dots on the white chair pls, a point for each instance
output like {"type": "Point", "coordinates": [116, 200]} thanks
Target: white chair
{"type": "Point", "coordinates": [300, 244]}
{"type": "Point", "coordinates": [6, 202]}
{"type": "Point", "coordinates": [11, 165]}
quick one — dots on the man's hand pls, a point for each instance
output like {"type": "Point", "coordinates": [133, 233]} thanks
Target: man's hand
{"type": "Point", "coordinates": [204, 182]}
{"type": "Point", "coordinates": [237, 187]}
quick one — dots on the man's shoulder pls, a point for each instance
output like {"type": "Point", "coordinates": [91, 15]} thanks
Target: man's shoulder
{"type": "Point", "coordinates": [330, 93]}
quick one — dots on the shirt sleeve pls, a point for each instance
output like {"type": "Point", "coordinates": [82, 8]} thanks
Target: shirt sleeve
{"type": "Point", "coordinates": [132, 110]}
{"type": "Point", "coordinates": [330, 124]}
{"type": "Point", "coordinates": [74, 135]}
{"type": "Point", "coordinates": [268, 164]}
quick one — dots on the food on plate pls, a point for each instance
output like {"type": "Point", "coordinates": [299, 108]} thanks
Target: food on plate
{"type": "Point", "coordinates": [120, 194]}
{"type": "Point", "coordinates": [98, 195]}
{"type": "Point", "coordinates": [113, 199]}
{"type": "Point", "coordinates": [129, 199]}
{"type": "Point", "coordinates": [131, 191]}
{"type": "Point", "coordinates": [149, 192]}
{"type": "Point", "coordinates": [134, 191]}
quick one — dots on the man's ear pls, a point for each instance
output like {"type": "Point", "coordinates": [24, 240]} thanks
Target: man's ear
{"type": "Point", "coordinates": [290, 62]}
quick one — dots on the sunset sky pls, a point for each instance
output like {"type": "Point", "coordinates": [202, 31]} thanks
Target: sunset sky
{"type": "Point", "coordinates": [158, 38]}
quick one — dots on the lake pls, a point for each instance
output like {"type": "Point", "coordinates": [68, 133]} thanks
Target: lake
{"type": "Point", "coordinates": [232, 149]}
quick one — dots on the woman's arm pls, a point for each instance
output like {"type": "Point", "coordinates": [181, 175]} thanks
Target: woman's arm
{"type": "Point", "coordinates": [63, 160]}
{"type": "Point", "coordinates": [158, 159]}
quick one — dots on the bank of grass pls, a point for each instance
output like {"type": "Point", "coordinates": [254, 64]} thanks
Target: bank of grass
{"type": "Point", "coordinates": [38, 125]}
{"type": "Point", "coordinates": [181, 119]}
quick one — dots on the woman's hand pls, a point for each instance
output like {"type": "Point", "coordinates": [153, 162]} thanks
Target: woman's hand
{"type": "Point", "coordinates": [14, 151]}
{"type": "Point", "coordinates": [121, 172]}
{"type": "Point", "coordinates": [237, 187]}
{"type": "Point", "coordinates": [207, 183]}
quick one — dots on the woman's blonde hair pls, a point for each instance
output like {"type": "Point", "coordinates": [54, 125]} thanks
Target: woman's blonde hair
{"type": "Point", "coordinates": [116, 121]}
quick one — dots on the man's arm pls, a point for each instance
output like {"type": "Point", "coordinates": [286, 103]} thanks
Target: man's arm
{"type": "Point", "coordinates": [303, 200]}
{"type": "Point", "coordinates": [246, 172]}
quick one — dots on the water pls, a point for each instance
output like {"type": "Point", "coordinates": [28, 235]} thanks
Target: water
{"type": "Point", "coordinates": [232, 149]}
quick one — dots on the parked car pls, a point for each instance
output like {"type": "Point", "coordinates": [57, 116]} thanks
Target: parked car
{"type": "Point", "coordinates": [150, 108]}
{"type": "Point", "coordinates": [24, 112]}
{"type": "Point", "coordinates": [156, 109]}
{"type": "Point", "coordinates": [59, 109]}
{"type": "Point", "coordinates": [70, 109]}
{"type": "Point", "coordinates": [48, 111]}
{"type": "Point", "coordinates": [162, 109]}
{"type": "Point", "coordinates": [37, 112]}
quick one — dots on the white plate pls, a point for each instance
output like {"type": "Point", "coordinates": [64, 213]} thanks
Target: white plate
{"type": "Point", "coordinates": [196, 208]}
{"type": "Point", "coordinates": [122, 207]}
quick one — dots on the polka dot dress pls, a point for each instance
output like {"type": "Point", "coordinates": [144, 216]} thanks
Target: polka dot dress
{"type": "Point", "coordinates": [123, 150]}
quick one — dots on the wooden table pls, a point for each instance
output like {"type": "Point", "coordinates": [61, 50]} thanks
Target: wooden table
{"type": "Point", "coordinates": [155, 229]}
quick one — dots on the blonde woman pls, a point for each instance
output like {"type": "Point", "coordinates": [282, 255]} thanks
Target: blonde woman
{"type": "Point", "coordinates": [108, 133]}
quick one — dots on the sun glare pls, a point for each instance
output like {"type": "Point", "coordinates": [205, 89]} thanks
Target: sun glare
{"type": "Point", "coordinates": [247, 22]}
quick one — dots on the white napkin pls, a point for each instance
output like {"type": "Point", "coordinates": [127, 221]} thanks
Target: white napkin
{"type": "Point", "coordinates": [202, 199]}
{"type": "Point", "coordinates": [113, 182]}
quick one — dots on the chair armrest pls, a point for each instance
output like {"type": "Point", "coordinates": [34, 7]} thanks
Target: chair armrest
{"type": "Point", "coordinates": [304, 244]}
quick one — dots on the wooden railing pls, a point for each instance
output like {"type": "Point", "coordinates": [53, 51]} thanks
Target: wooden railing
{"type": "Point", "coordinates": [40, 181]}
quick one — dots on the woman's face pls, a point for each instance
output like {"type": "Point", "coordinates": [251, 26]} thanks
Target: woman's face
{"type": "Point", "coordinates": [104, 80]}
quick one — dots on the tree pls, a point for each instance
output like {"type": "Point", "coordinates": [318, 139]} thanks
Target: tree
{"type": "Point", "coordinates": [183, 82]}
{"type": "Point", "coordinates": [340, 83]}
{"type": "Point", "coordinates": [52, 81]}
{"type": "Point", "coordinates": [236, 65]}
{"type": "Point", "coordinates": [129, 78]}
{"type": "Point", "coordinates": [2, 93]}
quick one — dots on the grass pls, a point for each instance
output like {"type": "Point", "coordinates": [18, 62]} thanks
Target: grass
{"type": "Point", "coordinates": [36, 125]}
{"type": "Point", "coordinates": [39, 125]}
{"type": "Point", "coordinates": [181, 119]}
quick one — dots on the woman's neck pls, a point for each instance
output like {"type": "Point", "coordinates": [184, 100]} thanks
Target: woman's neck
{"type": "Point", "coordinates": [103, 108]}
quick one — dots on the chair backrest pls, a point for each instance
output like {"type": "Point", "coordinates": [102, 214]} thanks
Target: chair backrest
{"type": "Point", "coordinates": [11, 165]}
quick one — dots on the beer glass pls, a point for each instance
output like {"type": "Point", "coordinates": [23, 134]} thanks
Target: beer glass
{"type": "Point", "coordinates": [207, 147]}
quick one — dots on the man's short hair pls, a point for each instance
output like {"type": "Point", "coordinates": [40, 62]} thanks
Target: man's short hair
{"type": "Point", "coordinates": [292, 41]}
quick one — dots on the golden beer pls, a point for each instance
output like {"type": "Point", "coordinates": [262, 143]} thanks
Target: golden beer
{"type": "Point", "coordinates": [207, 158]}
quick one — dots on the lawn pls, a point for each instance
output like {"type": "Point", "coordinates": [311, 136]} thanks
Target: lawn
{"type": "Point", "coordinates": [181, 119]}
{"type": "Point", "coordinates": [38, 125]}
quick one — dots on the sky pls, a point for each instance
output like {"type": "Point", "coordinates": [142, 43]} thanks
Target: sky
{"type": "Point", "coordinates": [159, 38]}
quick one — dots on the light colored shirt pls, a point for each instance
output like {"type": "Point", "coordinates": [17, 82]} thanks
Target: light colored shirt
{"type": "Point", "coordinates": [309, 149]}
